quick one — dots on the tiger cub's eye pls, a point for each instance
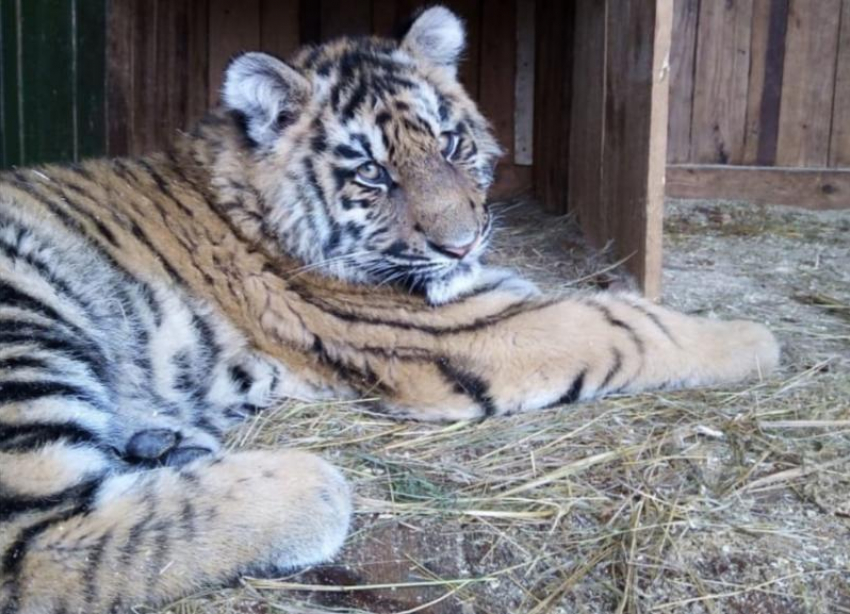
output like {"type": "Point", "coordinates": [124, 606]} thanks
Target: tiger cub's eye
{"type": "Point", "coordinates": [372, 175]}
{"type": "Point", "coordinates": [448, 144]}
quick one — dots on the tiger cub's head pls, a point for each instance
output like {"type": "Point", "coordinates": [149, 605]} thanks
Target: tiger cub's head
{"type": "Point", "coordinates": [372, 161]}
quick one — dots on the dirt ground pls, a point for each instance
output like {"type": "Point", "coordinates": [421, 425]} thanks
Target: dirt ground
{"type": "Point", "coordinates": [710, 501]}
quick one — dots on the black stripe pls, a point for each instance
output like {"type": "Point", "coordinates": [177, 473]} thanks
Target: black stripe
{"type": "Point", "coordinates": [14, 555]}
{"type": "Point", "coordinates": [18, 392]}
{"type": "Point", "coordinates": [574, 393]}
{"type": "Point", "coordinates": [609, 317]}
{"type": "Point", "coordinates": [513, 310]}
{"type": "Point", "coordinates": [615, 368]}
{"type": "Point", "coordinates": [94, 559]}
{"type": "Point", "coordinates": [57, 191]}
{"type": "Point", "coordinates": [12, 505]}
{"type": "Point", "coordinates": [468, 384]}
{"type": "Point", "coordinates": [162, 185]}
{"type": "Point", "coordinates": [657, 321]}
{"type": "Point", "coordinates": [362, 379]}
{"type": "Point", "coordinates": [23, 437]}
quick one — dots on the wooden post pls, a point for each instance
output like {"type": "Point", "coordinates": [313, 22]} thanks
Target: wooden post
{"type": "Point", "coordinates": [613, 175]}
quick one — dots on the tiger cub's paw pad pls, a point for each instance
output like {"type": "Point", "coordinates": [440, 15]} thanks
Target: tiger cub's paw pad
{"type": "Point", "coordinates": [151, 444]}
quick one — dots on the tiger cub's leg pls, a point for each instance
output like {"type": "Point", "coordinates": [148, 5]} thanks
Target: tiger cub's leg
{"type": "Point", "coordinates": [152, 536]}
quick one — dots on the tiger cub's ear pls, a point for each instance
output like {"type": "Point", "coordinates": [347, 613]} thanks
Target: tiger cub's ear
{"type": "Point", "coordinates": [268, 94]}
{"type": "Point", "coordinates": [436, 36]}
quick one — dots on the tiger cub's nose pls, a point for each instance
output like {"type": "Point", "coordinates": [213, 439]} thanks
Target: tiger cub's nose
{"type": "Point", "coordinates": [455, 250]}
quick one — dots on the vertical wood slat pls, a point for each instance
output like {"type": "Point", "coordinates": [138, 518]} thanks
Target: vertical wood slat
{"type": "Point", "coordinates": [587, 119]}
{"type": "Point", "coordinates": [635, 137]}
{"type": "Point", "coordinates": [280, 31]}
{"type": "Point", "coordinates": [770, 18]}
{"type": "Point", "coordinates": [808, 87]}
{"type": "Point", "coordinates": [524, 84]}
{"type": "Point", "coordinates": [345, 18]}
{"type": "Point", "coordinates": [682, 60]}
{"type": "Point", "coordinates": [619, 131]}
{"type": "Point", "coordinates": [234, 27]}
{"type": "Point", "coordinates": [197, 63]}
{"type": "Point", "coordinates": [839, 148]}
{"type": "Point", "coordinates": [12, 141]}
{"type": "Point", "coordinates": [120, 68]}
{"type": "Point", "coordinates": [721, 82]}
{"type": "Point", "coordinates": [385, 17]}
{"type": "Point", "coordinates": [496, 86]}
{"type": "Point", "coordinates": [91, 84]}
{"type": "Point", "coordinates": [48, 101]}
{"type": "Point", "coordinates": [471, 11]}
{"type": "Point", "coordinates": [553, 85]}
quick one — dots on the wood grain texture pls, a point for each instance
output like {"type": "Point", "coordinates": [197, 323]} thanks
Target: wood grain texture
{"type": "Point", "coordinates": [91, 84]}
{"type": "Point", "coordinates": [553, 83]}
{"type": "Point", "coordinates": [48, 102]}
{"type": "Point", "coordinates": [808, 87]}
{"type": "Point", "coordinates": [12, 108]}
{"type": "Point", "coordinates": [197, 62]}
{"type": "Point", "coordinates": [524, 84]}
{"type": "Point", "coordinates": [471, 11]}
{"type": "Point", "coordinates": [682, 64]}
{"type": "Point", "coordinates": [806, 188]}
{"type": "Point", "coordinates": [234, 28]}
{"type": "Point", "coordinates": [496, 89]}
{"type": "Point", "coordinates": [635, 136]}
{"type": "Point", "coordinates": [345, 18]}
{"type": "Point", "coordinates": [767, 69]}
{"type": "Point", "coordinates": [280, 27]}
{"type": "Point", "coordinates": [587, 123]}
{"type": "Point", "coordinates": [721, 81]}
{"type": "Point", "coordinates": [839, 147]}
{"type": "Point", "coordinates": [385, 17]}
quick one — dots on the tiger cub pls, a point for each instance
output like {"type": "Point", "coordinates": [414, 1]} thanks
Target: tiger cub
{"type": "Point", "coordinates": [320, 235]}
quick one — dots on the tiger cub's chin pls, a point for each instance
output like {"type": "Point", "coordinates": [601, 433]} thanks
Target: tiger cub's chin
{"type": "Point", "coordinates": [470, 279]}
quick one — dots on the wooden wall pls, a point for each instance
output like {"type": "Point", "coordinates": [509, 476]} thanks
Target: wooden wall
{"type": "Point", "coordinates": [166, 59]}
{"type": "Point", "coordinates": [760, 101]}
{"type": "Point", "coordinates": [51, 80]}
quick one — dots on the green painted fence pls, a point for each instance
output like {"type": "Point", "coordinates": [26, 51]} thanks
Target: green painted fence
{"type": "Point", "coordinates": [52, 80]}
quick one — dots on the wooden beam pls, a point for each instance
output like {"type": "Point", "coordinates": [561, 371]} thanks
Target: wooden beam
{"type": "Point", "coordinates": [619, 129]}
{"type": "Point", "coordinates": [806, 188]}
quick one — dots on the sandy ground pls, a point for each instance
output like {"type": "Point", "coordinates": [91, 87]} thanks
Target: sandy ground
{"type": "Point", "coordinates": [717, 501]}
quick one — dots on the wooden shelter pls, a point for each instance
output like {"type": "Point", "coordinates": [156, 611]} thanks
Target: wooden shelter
{"type": "Point", "coordinates": [577, 91]}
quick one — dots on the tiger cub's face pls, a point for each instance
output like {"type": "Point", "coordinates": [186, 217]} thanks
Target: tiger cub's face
{"type": "Point", "coordinates": [371, 159]}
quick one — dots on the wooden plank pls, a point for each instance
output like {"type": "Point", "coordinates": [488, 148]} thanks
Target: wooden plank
{"type": "Point", "coordinates": [839, 148]}
{"type": "Point", "coordinates": [682, 62]}
{"type": "Point", "coordinates": [48, 80]}
{"type": "Point", "coordinates": [496, 89]}
{"type": "Point", "coordinates": [12, 136]}
{"type": "Point", "coordinates": [471, 13]}
{"type": "Point", "coordinates": [120, 81]}
{"type": "Point", "coordinates": [635, 136]}
{"type": "Point", "coordinates": [309, 22]}
{"type": "Point", "coordinates": [198, 77]}
{"type": "Point", "coordinates": [554, 30]}
{"type": "Point", "coordinates": [524, 84]}
{"type": "Point", "coordinates": [145, 95]}
{"type": "Point", "coordinates": [280, 27]}
{"type": "Point", "coordinates": [770, 18]}
{"type": "Point", "coordinates": [809, 86]}
{"type": "Point", "coordinates": [721, 81]}
{"type": "Point", "coordinates": [234, 28]}
{"type": "Point", "coordinates": [806, 188]}
{"type": "Point", "coordinates": [91, 83]}
{"type": "Point", "coordinates": [587, 124]}
{"type": "Point", "coordinates": [345, 18]}
{"type": "Point", "coordinates": [385, 18]}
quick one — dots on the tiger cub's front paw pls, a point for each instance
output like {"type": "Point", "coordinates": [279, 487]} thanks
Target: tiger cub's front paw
{"type": "Point", "coordinates": [477, 279]}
